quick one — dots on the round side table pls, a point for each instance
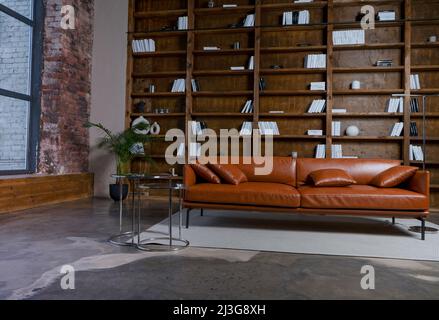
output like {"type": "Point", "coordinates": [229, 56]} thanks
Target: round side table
{"type": "Point", "coordinates": [168, 242]}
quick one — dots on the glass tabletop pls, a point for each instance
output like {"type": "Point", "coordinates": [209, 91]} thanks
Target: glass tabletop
{"type": "Point", "coordinates": [147, 176]}
{"type": "Point", "coordinates": [161, 186]}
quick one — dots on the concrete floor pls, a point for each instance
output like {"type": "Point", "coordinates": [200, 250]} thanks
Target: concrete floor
{"type": "Point", "coordinates": [35, 244]}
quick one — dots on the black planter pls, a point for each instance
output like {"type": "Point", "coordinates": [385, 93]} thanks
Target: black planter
{"type": "Point", "coordinates": [115, 192]}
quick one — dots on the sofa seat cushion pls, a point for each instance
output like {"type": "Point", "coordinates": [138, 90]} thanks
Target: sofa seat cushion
{"type": "Point", "coordinates": [362, 197]}
{"type": "Point", "coordinates": [248, 193]}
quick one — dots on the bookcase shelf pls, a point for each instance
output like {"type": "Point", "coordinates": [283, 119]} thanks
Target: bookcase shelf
{"type": "Point", "coordinates": [223, 92]}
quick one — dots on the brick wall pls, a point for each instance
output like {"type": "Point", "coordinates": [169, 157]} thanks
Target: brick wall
{"type": "Point", "coordinates": [14, 70]}
{"type": "Point", "coordinates": [66, 87]}
{"type": "Point", "coordinates": [65, 94]}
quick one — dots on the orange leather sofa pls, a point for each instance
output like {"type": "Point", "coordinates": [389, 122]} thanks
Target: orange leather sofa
{"type": "Point", "coordinates": [288, 189]}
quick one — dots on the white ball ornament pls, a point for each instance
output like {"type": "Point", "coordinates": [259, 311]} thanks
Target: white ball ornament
{"type": "Point", "coordinates": [353, 131]}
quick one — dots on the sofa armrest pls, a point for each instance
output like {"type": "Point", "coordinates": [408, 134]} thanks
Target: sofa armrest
{"type": "Point", "coordinates": [189, 175]}
{"type": "Point", "coordinates": [420, 183]}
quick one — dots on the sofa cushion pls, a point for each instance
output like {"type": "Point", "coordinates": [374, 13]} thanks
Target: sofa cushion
{"type": "Point", "coordinates": [205, 173]}
{"type": "Point", "coordinates": [249, 193]}
{"type": "Point", "coordinates": [393, 177]}
{"type": "Point", "coordinates": [331, 178]}
{"type": "Point", "coordinates": [362, 197]}
{"type": "Point", "coordinates": [362, 170]}
{"type": "Point", "coordinates": [230, 173]}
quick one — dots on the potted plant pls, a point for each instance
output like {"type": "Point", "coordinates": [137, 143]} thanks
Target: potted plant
{"type": "Point", "coordinates": [125, 146]}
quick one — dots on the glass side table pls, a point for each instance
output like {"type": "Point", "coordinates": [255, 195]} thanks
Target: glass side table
{"type": "Point", "coordinates": [166, 242]}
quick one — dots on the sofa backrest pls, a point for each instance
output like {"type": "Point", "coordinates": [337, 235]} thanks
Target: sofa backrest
{"type": "Point", "coordinates": [362, 170]}
{"type": "Point", "coordinates": [284, 171]}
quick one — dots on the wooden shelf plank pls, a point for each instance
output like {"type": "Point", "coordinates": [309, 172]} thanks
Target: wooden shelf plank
{"type": "Point", "coordinates": [282, 6]}
{"type": "Point", "coordinates": [434, 186]}
{"type": "Point", "coordinates": [292, 49]}
{"type": "Point", "coordinates": [158, 95]}
{"type": "Point", "coordinates": [425, 45]}
{"type": "Point", "coordinates": [222, 72]}
{"type": "Point", "coordinates": [158, 115]}
{"type": "Point", "coordinates": [428, 162]}
{"type": "Point", "coordinates": [425, 68]}
{"type": "Point", "coordinates": [367, 115]}
{"type": "Point", "coordinates": [357, 24]}
{"type": "Point", "coordinates": [292, 93]}
{"type": "Point", "coordinates": [368, 92]}
{"type": "Point", "coordinates": [428, 139]}
{"type": "Point", "coordinates": [299, 137]}
{"type": "Point", "coordinates": [159, 54]}
{"type": "Point", "coordinates": [428, 115]}
{"type": "Point", "coordinates": [317, 26]}
{"type": "Point", "coordinates": [163, 74]}
{"type": "Point", "coordinates": [158, 33]}
{"type": "Point", "coordinates": [224, 52]}
{"type": "Point", "coordinates": [369, 138]}
{"type": "Point", "coordinates": [373, 46]}
{"type": "Point", "coordinates": [292, 115]}
{"type": "Point", "coordinates": [292, 71]}
{"type": "Point", "coordinates": [160, 13]}
{"type": "Point", "coordinates": [426, 91]}
{"type": "Point", "coordinates": [369, 69]}
{"type": "Point", "coordinates": [221, 10]}
{"type": "Point", "coordinates": [222, 93]}
{"type": "Point", "coordinates": [355, 3]}
{"type": "Point", "coordinates": [222, 114]}
{"type": "Point", "coordinates": [225, 30]}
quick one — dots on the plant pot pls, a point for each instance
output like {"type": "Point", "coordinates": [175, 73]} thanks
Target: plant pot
{"type": "Point", "coordinates": [115, 192]}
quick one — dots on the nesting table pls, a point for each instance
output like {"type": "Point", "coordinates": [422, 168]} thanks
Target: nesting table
{"type": "Point", "coordinates": [164, 241]}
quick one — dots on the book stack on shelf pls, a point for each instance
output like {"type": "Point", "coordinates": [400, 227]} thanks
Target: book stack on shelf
{"type": "Point", "coordinates": [249, 20]}
{"type": "Point", "coordinates": [317, 86]}
{"type": "Point", "coordinates": [386, 15]}
{"type": "Point", "coordinates": [397, 129]}
{"type": "Point", "coordinates": [182, 23]}
{"type": "Point", "coordinates": [315, 61]}
{"type": "Point", "coordinates": [336, 128]}
{"type": "Point", "coordinates": [337, 151]}
{"type": "Point", "coordinates": [144, 45]}
{"type": "Point", "coordinates": [321, 151]}
{"type": "Point", "coordinates": [195, 85]}
{"type": "Point", "coordinates": [416, 153]}
{"type": "Point", "coordinates": [314, 132]}
{"type": "Point", "coordinates": [246, 129]}
{"type": "Point", "coordinates": [414, 129]}
{"type": "Point", "coordinates": [248, 107]}
{"type": "Point", "coordinates": [396, 105]}
{"type": "Point", "coordinates": [295, 17]}
{"type": "Point", "coordinates": [179, 85]}
{"type": "Point", "coordinates": [317, 106]}
{"type": "Point", "coordinates": [415, 83]}
{"type": "Point", "coordinates": [268, 128]}
{"type": "Point", "coordinates": [347, 37]}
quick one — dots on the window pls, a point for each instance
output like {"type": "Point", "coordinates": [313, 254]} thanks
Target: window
{"type": "Point", "coordinates": [20, 60]}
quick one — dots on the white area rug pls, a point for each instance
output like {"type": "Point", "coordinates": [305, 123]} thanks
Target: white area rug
{"type": "Point", "coordinates": [330, 235]}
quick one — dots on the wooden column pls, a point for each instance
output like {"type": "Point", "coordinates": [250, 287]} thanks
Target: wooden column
{"type": "Point", "coordinates": [329, 78]}
{"type": "Point", "coordinates": [406, 85]}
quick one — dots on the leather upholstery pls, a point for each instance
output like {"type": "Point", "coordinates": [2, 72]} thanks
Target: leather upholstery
{"type": "Point", "coordinates": [362, 170]}
{"type": "Point", "coordinates": [420, 183]}
{"type": "Point", "coordinates": [362, 197]}
{"type": "Point", "coordinates": [393, 177]}
{"type": "Point", "coordinates": [205, 173]}
{"type": "Point", "coordinates": [331, 178]}
{"type": "Point", "coordinates": [229, 173]}
{"type": "Point", "coordinates": [250, 193]}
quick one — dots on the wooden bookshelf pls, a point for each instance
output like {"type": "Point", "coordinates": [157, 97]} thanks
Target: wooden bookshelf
{"type": "Point", "coordinates": [223, 92]}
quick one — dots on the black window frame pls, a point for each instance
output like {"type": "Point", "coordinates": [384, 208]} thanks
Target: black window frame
{"type": "Point", "coordinates": [34, 99]}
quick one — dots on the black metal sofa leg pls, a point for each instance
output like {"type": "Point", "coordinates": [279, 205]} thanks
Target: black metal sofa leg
{"type": "Point", "coordinates": [393, 220]}
{"type": "Point", "coordinates": [202, 212]}
{"type": "Point", "coordinates": [188, 211]}
{"type": "Point", "coordinates": [422, 228]}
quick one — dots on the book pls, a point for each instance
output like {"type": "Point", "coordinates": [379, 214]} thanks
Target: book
{"type": "Point", "coordinates": [397, 129]}
{"type": "Point", "coordinates": [336, 128]}
{"type": "Point", "coordinates": [386, 15]}
{"type": "Point", "coordinates": [246, 129]}
{"type": "Point", "coordinates": [195, 85]}
{"type": "Point", "coordinates": [315, 61]}
{"type": "Point", "coordinates": [182, 23]}
{"type": "Point", "coordinates": [249, 21]}
{"type": "Point", "coordinates": [248, 107]}
{"type": "Point", "coordinates": [143, 45]}
{"type": "Point", "coordinates": [414, 129]}
{"type": "Point", "coordinates": [318, 86]}
{"type": "Point", "coordinates": [251, 63]}
{"type": "Point", "coordinates": [239, 68]}
{"type": "Point", "coordinates": [181, 150]}
{"type": "Point", "coordinates": [295, 17]}
{"type": "Point", "coordinates": [339, 111]}
{"type": "Point", "coordinates": [415, 83]}
{"type": "Point", "coordinates": [211, 48]}
{"type": "Point", "coordinates": [179, 85]}
{"type": "Point", "coordinates": [396, 105]}
{"type": "Point", "coordinates": [230, 5]}
{"type": "Point", "coordinates": [346, 37]}
{"type": "Point", "coordinates": [416, 153]}
{"type": "Point", "coordinates": [337, 151]}
{"type": "Point", "coordinates": [321, 151]}
{"type": "Point", "coordinates": [314, 132]}
{"type": "Point", "coordinates": [317, 106]}
{"type": "Point", "coordinates": [414, 105]}
{"type": "Point", "coordinates": [262, 84]}
{"type": "Point", "coordinates": [268, 128]}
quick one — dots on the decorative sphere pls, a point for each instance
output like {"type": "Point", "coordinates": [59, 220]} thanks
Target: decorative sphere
{"type": "Point", "coordinates": [352, 131]}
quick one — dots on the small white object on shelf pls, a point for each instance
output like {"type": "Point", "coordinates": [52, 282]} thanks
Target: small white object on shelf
{"type": "Point", "coordinates": [315, 132]}
{"type": "Point", "coordinates": [353, 131]}
{"type": "Point", "coordinates": [237, 68]}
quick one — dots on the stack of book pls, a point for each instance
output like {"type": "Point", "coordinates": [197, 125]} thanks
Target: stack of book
{"type": "Point", "coordinates": [416, 153]}
{"type": "Point", "coordinates": [337, 151]}
{"type": "Point", "coordinates": [317, 106]}
{"type": "Point", "coordinates": [194, 150]}
{"type": "Point", "coordinates": [251, 63]}
{"type": "Point", "coordinates": [318, 86]}
{"type": "Point", "coordinates": [344, 37]}
{"type": "Point", "coordinates": [339, 110]}
{"type": "Point", "coordinates": [415, 84]}
{"type": "Point", "coordinates": [143, 45]}
{"type": "Point", "coordinates": [414, 129]}
{"type": "Point", "coordinates": [268, 128]}
{"type": "Point", "coordinates": [303, 1]}
{"type": "Point", "coordinates": [179, 85]}
{"type": "Point", "coordinates": [211, 48]}
{"type": "Point", "coordinates": [181, 150]}
{"type": "Point", "coordinates": [246, 129]}
{"type": "Point", "coordinates": [262, 84]}
{"type": "Point", "coordinates": [315, 61]}
{"type": "Point", "coordinates": [182, 23]}
{"type": "Point", "coordinates": [237, 68]}
{"type": "Point", "coordinates": [336, 128]}
{"type": "Point", "coordinates": [195, 85]}
{"type": "Point", "coordinates": [384, 63]}
{"type": "Point", "coordinates": [314, 132]}
{"type": "Point", "coordinates": [396, 105]}
{"type": "Point", "coordinates": [386, 15]}
{"type": "Point", "coordinates": [414, 105]}
{"type": "Point", "coordinates": [232, 5]}
{"type": "Point", "coordinates": [198, 127]}
{"type": "Point", "coordinates": [397, 129]}
{"type": "Point", "coordinates": [249, 21]}
{"type": "Point", "coordinates": [321, 151]}
{"type": "Point", "coordinates": [295, 17]}
{"type": "Point", "coordinates": [248, 107]}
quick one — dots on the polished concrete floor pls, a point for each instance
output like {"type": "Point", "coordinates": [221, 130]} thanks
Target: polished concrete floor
{"type": "Point", "coordinates": [35, 244]}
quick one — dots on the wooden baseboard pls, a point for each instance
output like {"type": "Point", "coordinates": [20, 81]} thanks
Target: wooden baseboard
{"type": "Point", "coordinates": [30, 191]}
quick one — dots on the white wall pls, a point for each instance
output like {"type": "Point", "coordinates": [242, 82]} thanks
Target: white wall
{"type": "Point", "coordinates": [108, 83]}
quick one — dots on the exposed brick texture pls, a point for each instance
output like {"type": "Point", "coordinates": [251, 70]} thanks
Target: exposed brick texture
{"type": "Point", "coordinates": [66, 87]}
